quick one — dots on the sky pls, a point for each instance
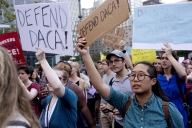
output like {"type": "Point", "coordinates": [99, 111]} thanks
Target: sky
{"type": "Point", "coordinates": [89, 3]}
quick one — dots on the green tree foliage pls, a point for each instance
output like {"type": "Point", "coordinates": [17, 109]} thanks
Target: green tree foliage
{"type": "Point", "coordinates": [183, 54]}
{"type": "Point", "coordinates": [7, 16]}
{"type": "Point", "coordinates": [96, 56]}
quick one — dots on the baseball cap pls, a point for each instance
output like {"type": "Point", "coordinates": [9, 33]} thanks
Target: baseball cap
{"type": "Point", "coordinates": [185, 62]}
{"type": "Point", "coordinates": [117, 53]}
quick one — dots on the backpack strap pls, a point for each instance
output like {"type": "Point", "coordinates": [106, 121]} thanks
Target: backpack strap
{"type": "Point", "coordinates": [126, 107]}
{"type": "Point", "coordinates": [166, 111]}
{"type": "Point", "coordinates": [111, 82]}
{"type": "Point", "coordinates": [18, 123]}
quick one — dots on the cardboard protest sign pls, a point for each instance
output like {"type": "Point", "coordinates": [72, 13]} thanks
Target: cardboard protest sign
{"type": "Point", "coordinates": [45, 25]}
{"type": "Point", "coordinates": [143, 55]}
{"type": "Point", "coordinates": [107, 16]}
{"type": "Point", "coordinates": [11, 42]}
{"type": "Point", "coordinates": [158, 24]}
{"type": "Point", "coordinates": [113, 37]}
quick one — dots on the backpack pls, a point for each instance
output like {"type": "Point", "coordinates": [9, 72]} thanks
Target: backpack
{"type": "Point", "coordinates": [164, 106]}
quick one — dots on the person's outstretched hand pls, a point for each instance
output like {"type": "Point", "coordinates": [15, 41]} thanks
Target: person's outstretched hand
{"type": "Point", "coordinates": [40, 54]}
{"type": "Point", "coordinates": [122, 44]}
{"type": "Point", "coordinates": [80, 47]}
{"type": "Point", "coordinates": [167, 49]}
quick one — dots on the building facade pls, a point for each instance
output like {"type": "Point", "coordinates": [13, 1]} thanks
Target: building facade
{"type": "Point", "coordinates": [128, 24]}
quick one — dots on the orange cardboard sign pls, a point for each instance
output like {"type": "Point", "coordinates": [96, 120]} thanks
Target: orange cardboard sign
{"type": "Point", "coordinates": [113, 37]}
{"type": "Point", "coordinates": [106, 17]}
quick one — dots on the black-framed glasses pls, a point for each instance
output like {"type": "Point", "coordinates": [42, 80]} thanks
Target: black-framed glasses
{"type": "Point", "coordinates": [116, 61]}
{"type": "Point", "coordinates": [140, 76]}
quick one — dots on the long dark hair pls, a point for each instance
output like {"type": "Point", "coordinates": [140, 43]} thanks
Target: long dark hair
{"type": "Point", "coordinates": [156, 89]}
{"type": "Point", "coordinates": [172, 68]}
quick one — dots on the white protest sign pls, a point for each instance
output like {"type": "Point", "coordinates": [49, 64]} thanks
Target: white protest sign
{"type": "Point", "coordinates": [45, 25]}
{"type": "Point", "coordinates": [158, 24]}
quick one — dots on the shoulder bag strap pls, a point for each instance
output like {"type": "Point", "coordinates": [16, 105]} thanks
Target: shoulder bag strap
{"type": "Point", "coordinates": [126, 107]}
{"type": "Point", "coordinates": [166, 111]}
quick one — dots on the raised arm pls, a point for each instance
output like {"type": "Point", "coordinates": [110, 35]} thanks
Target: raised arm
{"type": "Point", "coordinates": [127, 58]}
{"type": "Point", "coordinates": [178, 67]}
{"type": "Point", "coordinates": [30, 95]}
{"type": "Point", "coordinates": [52, 77]}
{"type": "Point", "coordinates": [93, 74]}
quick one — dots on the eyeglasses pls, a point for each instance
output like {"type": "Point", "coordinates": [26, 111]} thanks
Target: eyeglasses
{"type": "Point", "coordinates": [140, 76]}
{"type": "Point", "coordinates": [104, 64]}
{"type": "Point", "coordinates": [115, 61]}
{"type": "Point", "coordinates": [162, 58]}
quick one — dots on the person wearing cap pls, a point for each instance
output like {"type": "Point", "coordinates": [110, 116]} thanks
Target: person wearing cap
{"type": "Point", "coordinates": [184, 64]}
{"type": "Point", "coordinates": [119, 60]}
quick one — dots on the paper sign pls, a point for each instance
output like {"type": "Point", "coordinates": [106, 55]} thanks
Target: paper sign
{"type": "Point", "coordinates": [45, 25]}
{"type": "Point", "coordinates": [106, 17]}
{"type": "Point", "coordinates": [158, 24]}
{"type": "Point", "coordinates": [11, 42]}
{"type": "Point", "coordinates": [113, 37]}
{"type": "Point", "coordinates": [143, 55]}
{"type": "Point", "coordinates": [181, 59]}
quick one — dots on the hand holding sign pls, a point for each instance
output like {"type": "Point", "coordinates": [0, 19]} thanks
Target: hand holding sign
{"type": "Point", "coordinates": [40, 55]}
{"type": "Point", "coordinates": [80, 47]}
{"type": "Point", "coordinates": [121, 45]}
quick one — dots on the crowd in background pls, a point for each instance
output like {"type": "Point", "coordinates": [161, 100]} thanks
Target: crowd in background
{"type": "Point", "coordinates": [112, 93]}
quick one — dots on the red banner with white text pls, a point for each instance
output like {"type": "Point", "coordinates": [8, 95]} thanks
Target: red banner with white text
{"type": "Point", "coordinates": [11, 42]}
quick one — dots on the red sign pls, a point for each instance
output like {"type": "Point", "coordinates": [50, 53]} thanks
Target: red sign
{"type": "Point", "coordinates": [11, 42]}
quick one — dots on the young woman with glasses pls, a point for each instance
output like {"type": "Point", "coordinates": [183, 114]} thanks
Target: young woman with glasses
{"type": "Point", "coordinates": [172, 78]}
{"type": "Point", "coordinates": [146, 107]}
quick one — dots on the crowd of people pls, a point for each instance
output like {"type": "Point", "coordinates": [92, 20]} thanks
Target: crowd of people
{"type": "Point", "coordinates": [113, 93]}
